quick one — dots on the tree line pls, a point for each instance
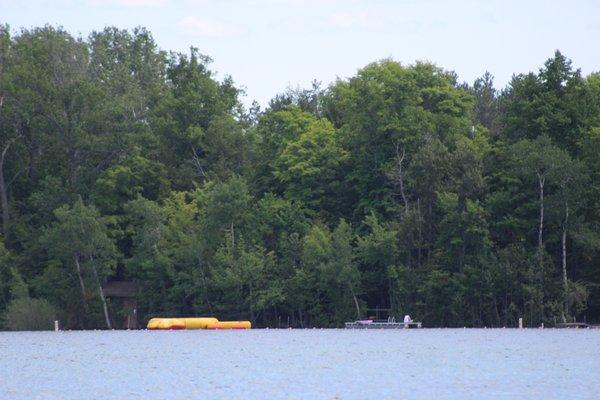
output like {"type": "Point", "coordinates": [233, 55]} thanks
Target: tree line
{"type": "Point", "coordinates": [399, 188]}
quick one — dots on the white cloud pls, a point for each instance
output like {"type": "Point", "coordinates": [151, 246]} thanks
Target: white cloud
{"type": "Point", "coordinates": [350, 20]}
{"type": "Point", "coordinates": [315, 2]}
{"type": "Point", "coordinates": [151, 3]}
{"type": "Point", "coordinates": [297, 2]}
{"type": "Point", "coordinates": [203, 27]}
{"type": "Point", "coordinates": [131, 3]}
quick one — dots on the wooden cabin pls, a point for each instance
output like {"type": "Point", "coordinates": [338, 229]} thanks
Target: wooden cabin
{"type": "Point", "coordinates": [122, 296]}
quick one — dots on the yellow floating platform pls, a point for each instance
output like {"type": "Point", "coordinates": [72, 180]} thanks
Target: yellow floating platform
{"type": "Point", "coordinates": [166, 323]}
{"type": "Point", "coordinates": [199, 323]}
{"type": "Point", "coordinates": [230, 325]}
{"type": "Point", "coordinates": [196, 323]}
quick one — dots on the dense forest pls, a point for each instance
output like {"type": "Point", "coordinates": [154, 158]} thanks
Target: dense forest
{"type": "Point", "coordinates": [399, 188]}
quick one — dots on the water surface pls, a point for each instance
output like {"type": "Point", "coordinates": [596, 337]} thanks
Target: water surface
{"type": "Point", "coordinates": [302, 364]}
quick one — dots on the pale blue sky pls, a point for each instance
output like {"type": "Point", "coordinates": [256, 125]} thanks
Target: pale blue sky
{"type": "Point", "coordinates": [268, 45]}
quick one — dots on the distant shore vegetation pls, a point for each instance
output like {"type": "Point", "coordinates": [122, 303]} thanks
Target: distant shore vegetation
{"type": "Point", "coordinates": [399, 189]}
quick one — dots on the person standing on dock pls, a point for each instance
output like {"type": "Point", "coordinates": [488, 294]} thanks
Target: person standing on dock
{"type": "Point", "coordinates": [407, 320]}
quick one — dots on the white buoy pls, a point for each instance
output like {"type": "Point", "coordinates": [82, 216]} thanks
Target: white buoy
{"type": "Point", "coordinates": [56, 325]}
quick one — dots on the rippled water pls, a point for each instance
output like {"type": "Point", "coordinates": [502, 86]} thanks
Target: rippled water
{"type": "Point", "coordinates": [302, 364]}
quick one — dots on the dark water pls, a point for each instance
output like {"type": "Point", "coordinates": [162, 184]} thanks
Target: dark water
{"type": "Point", "coordinates": [302, 364]}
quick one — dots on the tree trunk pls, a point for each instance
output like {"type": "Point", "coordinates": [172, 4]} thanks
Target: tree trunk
{"type": "Point", "coordinates": [400, 160]}
{"type": "Point", "coordinates": [462, 208]}
{"type": "Point", "coordinates": [496, 312]}
{"type": "Point", "coordinates": [4, 188]}
{"type": "Point", "coordinates": [4, 199]}
{"type": "Point", "coordinates": [390, 294]}
{"type": "Point", "coordinates": [429, 229]}
{"type": "Point", "coordinates": [541, 181]}
{"type": "Point", "coordinates": [32, 154]}
{"type": "Point", "coordinates": [420, 232]}
{"type": "Point", "coordinates": [355, 303]}
{"type": "Point", "coordinates": [506, 295]}
{"type": "Point", "coordinates": [101, 292]}
{"type": "Point", "coordinates": [564, 257]}
{"type": "Point", "coordinates": [204, 284]}
{"type": "Point", "coordinates": [81, 284]}
{"type": "Point", "coordinates": [398, 178]}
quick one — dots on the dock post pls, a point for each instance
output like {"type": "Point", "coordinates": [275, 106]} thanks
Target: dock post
{"type": "Point", "coordinates": [56, 325]}
{"type": "Point", "coordinates": [520, 323]}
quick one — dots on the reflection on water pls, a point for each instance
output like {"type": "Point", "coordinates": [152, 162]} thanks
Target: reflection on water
{"type": "Point", "coordinates": [301, 364]}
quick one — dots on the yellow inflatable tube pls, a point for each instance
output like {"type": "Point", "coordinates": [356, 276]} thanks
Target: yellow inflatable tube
{"type": "Point", "coordinates": [230, 325]}
{"type": "Point", "coordinates": [181, 323]}
{"type": "Point", "coordinates": [166, 323]}
{"type": "Point", "coordinates": [199, 323]}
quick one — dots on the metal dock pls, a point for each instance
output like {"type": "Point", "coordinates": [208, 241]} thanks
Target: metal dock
{"type": "Point", "coordinates": [382, 325]}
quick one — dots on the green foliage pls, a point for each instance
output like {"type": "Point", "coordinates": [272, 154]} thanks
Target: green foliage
{"type": "Point", "coordinates": [548, 103]}
{"type": "Point", "coordinates": [80, 232]}
{"type": "Point", "coordinates": [397, 188]}
{"type": "Point", "coordinates": [27, 314]}
{"type": "Point", "coordinates": [486, 110]}
{"type": "Point", "coordinates": [11, 282]}
{"type": "Point", "coordinates": [329, 277]}
{"type": "Point", "coordinates": [243, 277]}
{"type": "Point", "coordinates": [274, 130]}
{"type": "Point", "coordinates": [311, 168]}
{"type": "Point", "coordinates": [225, 206]}
{"type": "Point", "coordinates": [78, 245]}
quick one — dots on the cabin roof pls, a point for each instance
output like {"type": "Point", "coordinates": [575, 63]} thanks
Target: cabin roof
{"type": "Point", "coordinates": [120, 289]}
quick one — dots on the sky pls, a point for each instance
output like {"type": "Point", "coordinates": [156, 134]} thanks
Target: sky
{"type": "Point", "coordinates": [270, 45]}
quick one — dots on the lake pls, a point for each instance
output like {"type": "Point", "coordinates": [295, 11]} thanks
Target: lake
{"type": "Point", "coordinates": [302, 364]}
